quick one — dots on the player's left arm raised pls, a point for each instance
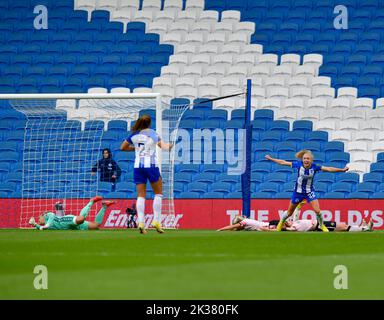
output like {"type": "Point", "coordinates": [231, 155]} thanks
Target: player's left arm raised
{"type": "Point", "coordinates": [126, 146]}
{"type": "Point", "coordinates": [333, 169]}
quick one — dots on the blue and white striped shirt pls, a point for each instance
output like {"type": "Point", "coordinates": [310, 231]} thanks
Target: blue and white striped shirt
{"type": "Point", "coordinates": [304, 181]}
{"type": "Point", "coordinates": [145, 142]}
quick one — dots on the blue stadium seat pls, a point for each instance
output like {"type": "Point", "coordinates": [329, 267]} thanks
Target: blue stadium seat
{"type": "Point", "coordinates": [294, 136]}
{"type": "Point", "coordinates": [343, 187]}
{"type": "Point", "coordinates": [115, 195]}
{"type": "Point", "coordinates": [349, 177]}
{"type": "Point", "coordinates": [368, 187]}
{"type": "Point", "coordinates": [278, 177]}
{"type": "Point", "coordinates": [214, 168]}
{"type": "Point", "coordinates": [215, 195]}
{"type": "Point", "coordinates": [263, 147]}
{"type": "Point", "coordinates": [206, 177]}
{"type": "Point", "coordinates": [259, 126]}
{"type": "Point", "coordinates": [257, 177]}
{"type": "Point", "coordinates": [333, 146]}
{"type": "Point", "coordinates": [377, 167]}
{"type": "Point", "coordinates": [325, 177]}
{"type": "Point", "coordinates": [288, 156]}
{"type": "Point", "coordinates": [190, 195]}
{"type": "Point", "coordinates": [359, 195]}
{"type": "Point", "coordinates": [319, 136]}
{"type": "Point", "coordinates": [310, 145]}
{"type": "Point", "coordinates": [374, 177]}
{"type": "Point", "coordinates": [234, 195]}
{"type": "Point", "coordinates": [224, 187]}
{"type": "Point", "coordinates": [199, 187]}
{"type": "Point", "coordinates": [263, 167]}
{"type": "Point", "coordinates": [269, 187]}
{"type": "Point", "coordinates": [338, 156]}
{"type": "Point", "coordinates": [334, 195]}
{"type": "Point", "coordinates": [302, 125]}
{"type": "Point", "coordinates": [183, 177]}
{"type": "Point", "coordinates": [263, 114]}
{"type": "Point", "coordinates": [189, 168]}
{"type": "Point", "coordinates": [8, 187]}
{"type": "Point", "coordinates": [285, 146]}
{"type": "Point", "coordinates": [271, 136]}
{"type": "Point", "coordinates": [380, 157]}
{"type": "Point", "coordinates": [279, 125]}
{"type": "Point", "coordinates": [262, 195]}
{"type": "Point", "coordinates": [378, 195]}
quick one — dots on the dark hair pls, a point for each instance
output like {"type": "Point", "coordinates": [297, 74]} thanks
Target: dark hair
{"type": "Point", "coordinates": [144, 122]}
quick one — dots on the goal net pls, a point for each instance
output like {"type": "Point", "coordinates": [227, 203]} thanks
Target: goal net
{"type": "Point", "coordinates": [64, 137]}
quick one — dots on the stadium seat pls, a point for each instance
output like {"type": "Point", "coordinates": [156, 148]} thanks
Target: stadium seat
{"type": "Point", "coordinates": [342, 187]}
{"type": "Point", "coordinates": [189, 195]}
{"type": "Point", "coordinates": [367, 187]}
{"type": "Point", "coordinates": [334, 195]}
{"type": "Point", "coordinates": [359, 195]}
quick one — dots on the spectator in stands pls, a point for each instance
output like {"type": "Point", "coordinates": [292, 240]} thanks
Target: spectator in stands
{"type": "Point", "coordinates": [109, 169]}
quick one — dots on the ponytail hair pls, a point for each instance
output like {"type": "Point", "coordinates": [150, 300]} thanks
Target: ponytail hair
{"type": "Point", "coordinates": [301, 153]}
{"type": "Point", "coordinates": [144, 122]}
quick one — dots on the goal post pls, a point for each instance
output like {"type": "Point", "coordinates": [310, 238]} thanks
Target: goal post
{"type": "Point", "coordinates": [63, 139]}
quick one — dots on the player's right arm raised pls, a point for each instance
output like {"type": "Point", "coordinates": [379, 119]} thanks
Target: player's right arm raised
{"type": "Point", "coordinates": [279, 161]}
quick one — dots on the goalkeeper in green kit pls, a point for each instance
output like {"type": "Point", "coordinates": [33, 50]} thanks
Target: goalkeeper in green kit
{"type": "Point", "coordinates": [49, 221]}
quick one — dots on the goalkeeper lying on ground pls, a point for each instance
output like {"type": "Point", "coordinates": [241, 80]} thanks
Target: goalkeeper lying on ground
{"type": "Point", "coordinates": [50, 221]}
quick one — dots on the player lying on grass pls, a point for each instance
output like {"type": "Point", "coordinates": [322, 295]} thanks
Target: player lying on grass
{"type": "Point", "coordinates": [306, 171]}
{"type": "Point", "coordinates": [306, 225]}
{"type": "Point", "coordinates": [49, 221]}
{"type": "Point", "coordinates": [242, 223]}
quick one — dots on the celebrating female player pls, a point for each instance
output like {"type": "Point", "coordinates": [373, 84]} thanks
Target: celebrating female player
{"type": "Point", "coordinates": [144, 141]}
{"type": "Point", "coordinates": [306, 171]}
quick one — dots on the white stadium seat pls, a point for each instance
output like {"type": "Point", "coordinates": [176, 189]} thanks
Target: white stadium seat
{"type": "Point", "coordinates": [108, 5]}
{"type": "Point", "coordinates": [300, 92]}
{"type": "Point", "coordinates": [187, 17]}
{"type": "Point", "coordinates": [268, 59]}
{"type": "Point", "coordinates": [262, 71]}
{"type": "Point", "coordinates": [171, 71]}
{"type": "Point", "coordinates": [173, 5]}
{"type": "Point", "coordinates": [347, 92]}
{"type": "Point", "coordinates": [65, 104]}
{"type": "Point", "coordinates": [224, 60]}
{"type": "Point", "coordinates": [215, 39]}
{"type": "Point", "coordinates": [230, 49]}
{"type": "Point", "coordinates": [121, 90]}
{"type": "Point", "coordinates": [237, 71]}
{"type": "Point", "coordinates": [284, 114]}
{"type": "Point", "coordinates": [185, 49]}
{"type": "Point", "coordinates": [373, 125]}
{"type": "Point", "coordinates": [209, 93]}
{"type": "Point", "coordinates": [253, 48]}
{"type": "Point", "coordinates": [283, 70]}
{"type": "Point", "coordinates": [277, 93]}
{"type": "Point", "coordinates": [208, 49]}
{"type": "Point", "coordinates": [319, 104]}
{"type": "Point", "coordinates": [247, 60]}
{"type": "Point", "coordinates": [379, 136]}
{"type": "Point", "coordinates": [192, 71]}
{"type": "Point", "coordinates": [325, 93]}
{"type": "Point", "coordinates": [308, 114]}
{"type": "Point", "coordinates": [313, 59]}
{"type": "Point", "coordinates": [189, 93]}
{"type": "Point", "coordinates": [164, 16]}
{"type": "Point", "coordinates": [349, 125]}
{"type": "Point", "coordinates": [230, 84]}
{"type": "Point", "coordinates": [362, 156]}
{"type": "Point", "coordinates": [245, 27]}
{"type": "Point", "coordinates": [195, 39]}
{"type": "Point", "coordinates": [368, 136]}
{"type": "Point", "coordinates": [380, 103]}
{"type": "Point", "coordinates": [373, 114]}
{"type": "Point", "coordinates": [356, 146]}
{"type": "Point", "coordinates": [210, 16]}
{"type": "Point", "coordinates": [363, 103]}
{"type": "Point", "coordinates": [240, 39]}
{"type": "Point", "coordinates": [343, 136]}
{"type": "Point", "coordinates": [295, 104]}
{"type": "Point", "coordinates": [142, 90]}
{"type": "Point", "coordinates": [355, 115]}
{"type": "Point", "coordinates": [306, 71]}
{"type": "Point", "coordinates": [145, 16]}
{"type": "Point", "coordinates": [227, 104]}
{"type": "Point", "coordinates": [290, 59]}
{"type": "Point", "coordinates": [298, 82]}
{"type": "Point", "coordinates": [173, 38]}
{"type": "Point", "coordinates": [179, 27]}
{"type": "Point", "coordinates": [222, 27]}
{"type": "Point", "coordinates": [324, 125]}
{"type": "Point", "coordinates": [332, 114]}
{"type": "Point", "coordinates": [153, 5]}
{"type": "Point", "coordinates": [231, 16]}
{"type": "Point", "coordinates": [208, 82]}
{"type": "Point", "coordinates": [166, 93]}
{"type": "Point", "coordinates": [358, 167]}
{"type": "Point", "coordinates": [320, 82]}
{"type": "Point", "coordinates": [195, 5]}
{"type": "Point", "coordinates": [340, 103]}
{"type": "Point", "coordinates": [159, 27]}
{"type": "Point", "coordinates": [273, 104]}
{"type": "Point", "coordinates": [202, 60]}
{"type": "Point", "coordinates": [377, 146]}
{"type": "Point", "coordinates": [161, 82]}
{"type": "Point", "coordinates": [129, 4]}
{"type": "Point", "coordinates": [178, 60]}
{"type": "Point", "coordinates": [214, 71]}
{"type": "Point", "coordinates": [97, 90]}
{"type": "Point", "coordinates": [185, 82]}
{"type": "Point", "coordinates": [275, 82]}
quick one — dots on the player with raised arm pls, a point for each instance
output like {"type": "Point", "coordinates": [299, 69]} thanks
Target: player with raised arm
{"type": "Point", "coordinates": [306, 170]}
{"type": "Point", "coordinates": [49, 221]}
{"type": "Point", "coordinates": [146, 168]}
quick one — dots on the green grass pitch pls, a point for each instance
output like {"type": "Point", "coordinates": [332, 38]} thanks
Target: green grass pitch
{"type": "Point", "coordinates": [190, 264]}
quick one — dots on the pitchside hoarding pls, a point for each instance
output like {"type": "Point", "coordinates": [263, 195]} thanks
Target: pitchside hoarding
{"type": "Point", "coordinates": [213, 213]}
